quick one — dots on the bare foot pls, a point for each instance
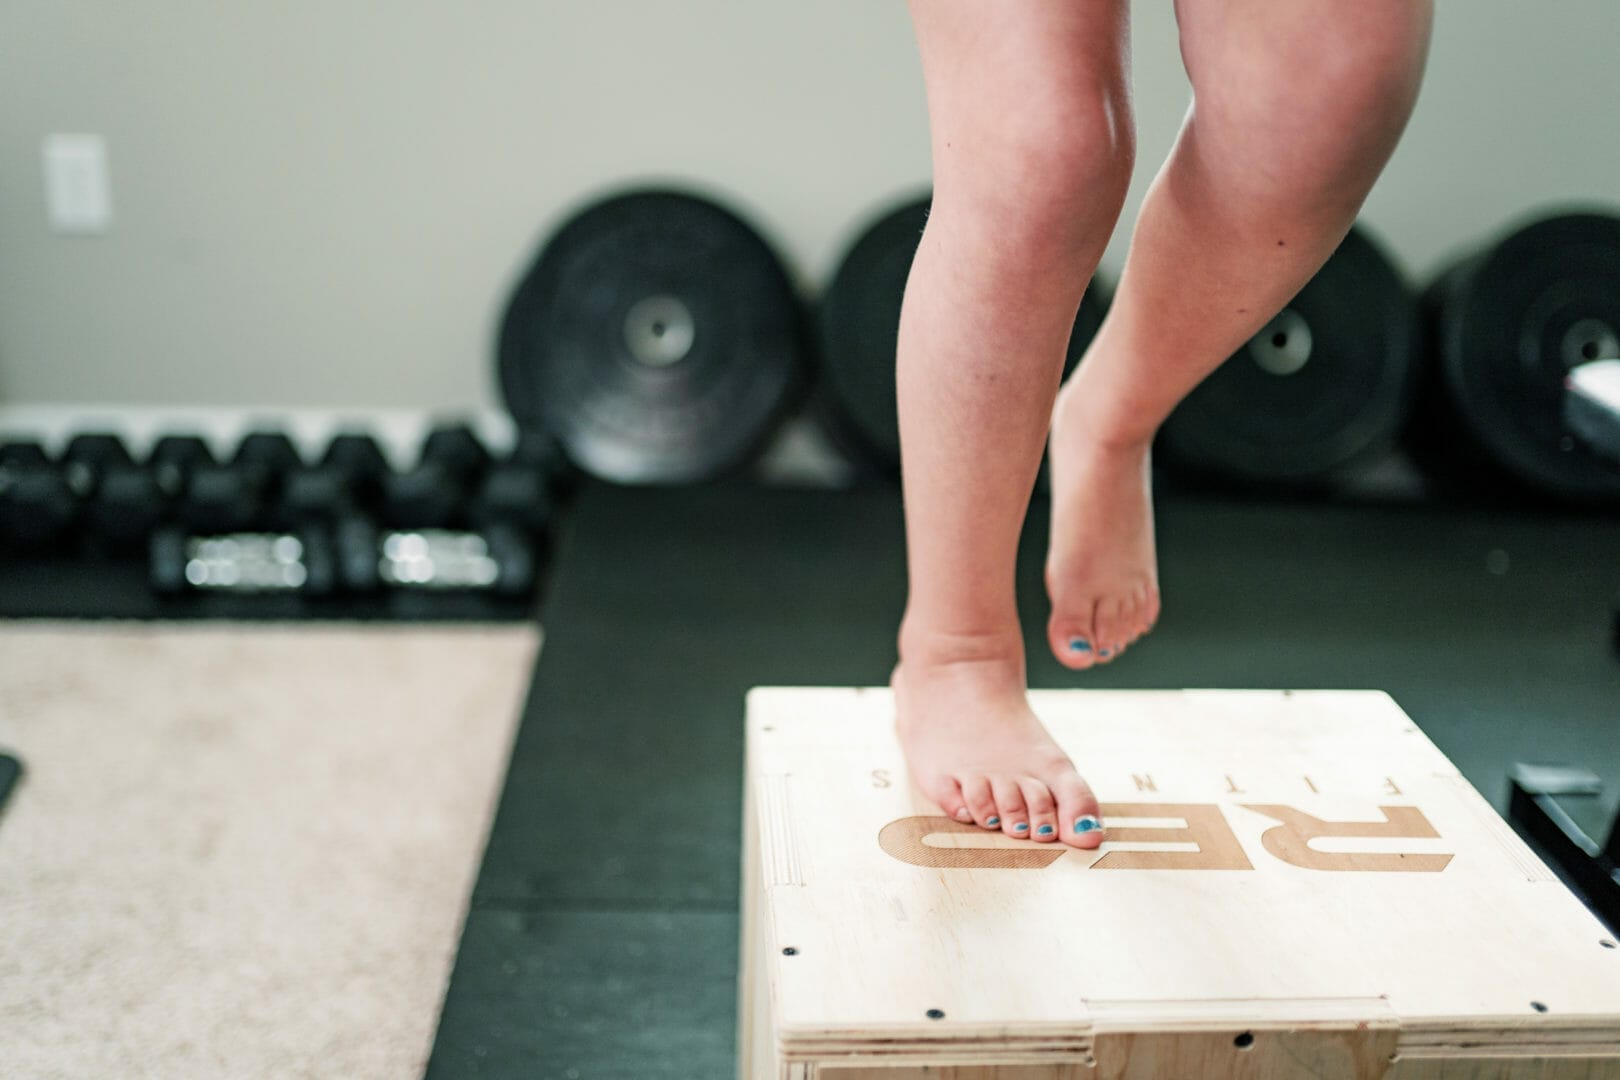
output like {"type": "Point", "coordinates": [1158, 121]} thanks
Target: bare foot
{"type": "Point", "coordinates": [1101, 571]}
{"type": "Point", "coordinates": [974, 746]}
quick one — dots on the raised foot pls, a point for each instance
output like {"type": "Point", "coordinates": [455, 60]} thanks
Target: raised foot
{"type": "Point", "coordinates": [1101, 569]}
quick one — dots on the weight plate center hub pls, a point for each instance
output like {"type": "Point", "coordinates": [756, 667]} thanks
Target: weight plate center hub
{"type": "Point", "coordinates": [1590, 339]}
{"type": "Point", "coordinates": [658, 331]}
{"type": "Point", "coordinates": [1284, 346]}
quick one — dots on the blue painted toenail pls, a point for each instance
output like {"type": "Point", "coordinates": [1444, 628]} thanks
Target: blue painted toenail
{"type": "Point", "coordinates": [1079, 644]}
{"type": "Point", "coordinates": [1022, 826]}
{"type": "Point", "coordinates": [1044, 830]}
{"type": "Point", "coordinates": [1087, 824]}
{"type": "Point", "coordinates": [992, 820]}
{"type": "Point", "coordinates": [1105, 653]}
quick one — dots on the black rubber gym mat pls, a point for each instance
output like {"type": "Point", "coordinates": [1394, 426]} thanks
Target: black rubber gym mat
{"type": "Point", "coordinates": [623, 797]}
{"type": "Point", "coordinates": [607, 995]}
{"type": "Point", "coordinates": [624, 785]}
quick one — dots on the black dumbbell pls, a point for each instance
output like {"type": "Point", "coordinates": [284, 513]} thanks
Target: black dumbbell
{"type": "Point", "coordinates": [272, 455]}
{"type": "Point", "coordinates": [513, 493]}
{"type": "Point", "coordinates": [542, 451]}
{"type": "Point", "coordinates": [88, 455]}
{"type": "Point", "coordinates": [209, 496]}
{"type": "Point", "coordinates": [42, 501]}
{"type": "Point", "coordinates": [172, 460]}
{"type": "Point", "coordinates": [234, 497]}
{"type": "Point", "coordinates": [300, 562]}
{"type": "Point", "coordinates": [126, 506]}
{"type": "Point", "coordinates": [271, 451]}
{"type": "Point", "coordinates": [347, 480]}
{"type": "Point", "coordinates": [432, 493]}
{"type": "Point", "coordinates": [20, 453]}
{"type": "Point", "coordinates": [513, 551]}
{"type": "Point", "coordinates": [358, 545]}
{"type": "Point", "coordinates": [358, 457]}
{"type": "Point", "coordinates": [122, 500]}
{"type": "Point", "coordinates": [457, 448]}
{"type": "Point", "coordinates": [37, 505]}
{"type": "Point", "coordinates": [221, 498]}
{"type": "Point", "coordinates": [499, 559]}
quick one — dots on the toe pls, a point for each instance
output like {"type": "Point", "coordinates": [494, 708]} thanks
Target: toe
{"type": "Point", "coordinates": [1128, 623]}
{"type": "Point", "coordinates": [1042, 808]}
{"type": "Point", "coordinates": [1010, 806]}
{"type": "Point", "coordinates": [1079, 816]}
{"type": "Point", "coordinates": [1070, 635]}
{"type": "Point", "coordinates": [1137, 619]}
{"type": "Point", "coordinates": [980, 802]}
{"type": "Point", "coordinates": [949, 797]}
{"type": "Point", "coordinates": [1111, 628]}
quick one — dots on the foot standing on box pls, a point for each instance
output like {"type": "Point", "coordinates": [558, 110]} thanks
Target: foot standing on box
{"type": "Point", "coordinates": [1296, 108]}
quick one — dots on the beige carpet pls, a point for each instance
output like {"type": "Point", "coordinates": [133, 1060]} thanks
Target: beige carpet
{"type": "Point", "coordinates": [242, 851]}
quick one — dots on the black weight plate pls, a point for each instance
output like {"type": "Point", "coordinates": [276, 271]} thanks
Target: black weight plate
{"type": "Point", "coordinates": [656, 336]}
{"type": "Point", "coordinates": [511, 369]}
{"type": "Point", "coordinates": [10, 772]}
{"type": "Point", "coordinates": [859, 328]}
{"type": "Point", "coordinates": [1509, 325]}
{"type": "Point", "coordinates": [1325, 386]}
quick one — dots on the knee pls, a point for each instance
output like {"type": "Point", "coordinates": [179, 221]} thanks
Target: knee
{"type": "Point", "coordinates": [1052, 178]}
{"type": "Point", "coordinates": [1369, 85]}
{"type": "Point", "coordinates": [1318, 112]}
{"type": "Point", "coordinates": [1347, 98]}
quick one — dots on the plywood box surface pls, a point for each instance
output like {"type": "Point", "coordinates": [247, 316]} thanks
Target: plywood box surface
{"type": "Point", "coordinates": [1293, 884]}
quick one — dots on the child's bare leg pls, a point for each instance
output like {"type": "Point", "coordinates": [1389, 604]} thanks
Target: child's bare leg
{"type": "Point", "coordinates": [1296, 108]}
{"type": "Point", "coordinates": [1031, 127]}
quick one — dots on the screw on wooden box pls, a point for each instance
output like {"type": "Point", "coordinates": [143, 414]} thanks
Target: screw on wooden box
{"type": "Point", "coordinates": [1292, 884]}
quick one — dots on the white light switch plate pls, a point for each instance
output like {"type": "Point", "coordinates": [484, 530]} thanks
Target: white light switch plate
{"type": "Point", "coordinates": [78, 197]}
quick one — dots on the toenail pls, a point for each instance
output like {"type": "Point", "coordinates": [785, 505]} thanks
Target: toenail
{"type": "Point", "coordinates": [1087, 823]}
{"type": "Point", "coordinates": [963, 815]}
{"type": "Point", "coordinates": [992, 820]}
{"type": "Point", "coordinates": [1105, 653]}
{"type": "Point", "coordinates": [1044, 830]}
{"type": "Point", "coordinates": [1022, 826]}
{"type": "Point", "coordinates": [1079, 644]}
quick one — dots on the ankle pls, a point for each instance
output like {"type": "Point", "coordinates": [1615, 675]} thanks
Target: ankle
{"type": "Point", "coordinates": [1103, 425]}
{"type": "Point", "coordinates": [926, 643]}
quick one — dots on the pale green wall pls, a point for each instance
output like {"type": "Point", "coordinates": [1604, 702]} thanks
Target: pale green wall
{"type": "Point", "coordinates": [325, 201]}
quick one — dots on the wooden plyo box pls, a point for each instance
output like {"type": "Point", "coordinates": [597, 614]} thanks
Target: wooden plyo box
{"type": "Point", "coordinates": [1294, 884]}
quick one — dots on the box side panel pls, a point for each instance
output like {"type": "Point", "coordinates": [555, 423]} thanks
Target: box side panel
{"type": "Point", "coordinates": [1506, 1068]}
{"type": "Point", "coordinates": [748, 974]}
{"type": "Point", "coordinates": [951, 1072]}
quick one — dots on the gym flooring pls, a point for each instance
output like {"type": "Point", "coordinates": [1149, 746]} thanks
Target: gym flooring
{"type": "Point", "coordinates": [600, 938]}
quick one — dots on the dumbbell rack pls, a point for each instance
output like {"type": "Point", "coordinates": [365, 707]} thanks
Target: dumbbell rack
{"type": "Point", "coordinates": [264, 534]}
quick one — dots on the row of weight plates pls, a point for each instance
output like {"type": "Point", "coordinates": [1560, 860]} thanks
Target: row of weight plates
{"type": "Point", "coordinates": [1507, 325]}
{"type": "Point", "coordinates": [659, 339]}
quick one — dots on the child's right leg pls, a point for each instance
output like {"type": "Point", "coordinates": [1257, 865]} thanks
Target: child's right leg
{"type": "Point", "coordinates": [1030, 119]}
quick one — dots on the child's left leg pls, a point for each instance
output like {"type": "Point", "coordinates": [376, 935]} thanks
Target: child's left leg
{"type": "Point", "coordinates": [1029, 114]}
